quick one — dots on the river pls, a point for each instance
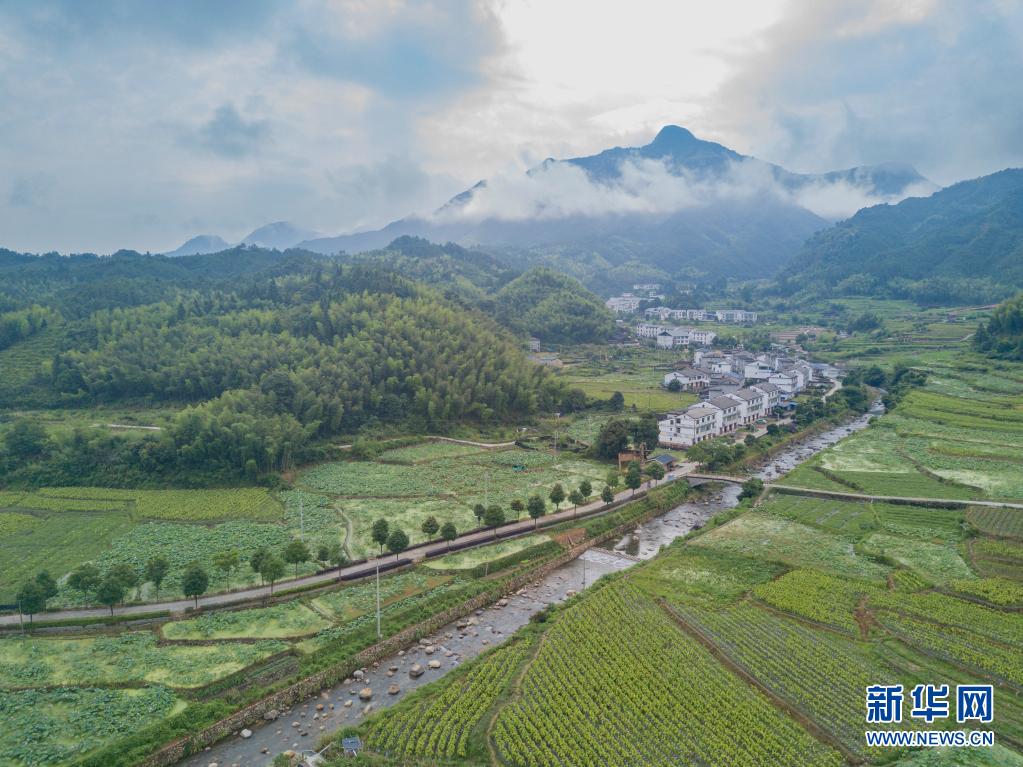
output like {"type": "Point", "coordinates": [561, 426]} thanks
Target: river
{"type": "Point", "coordinates": [301, 726]}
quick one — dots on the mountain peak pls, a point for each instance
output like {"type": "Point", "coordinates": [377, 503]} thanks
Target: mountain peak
{"type": "Point", "coordinates": [673, 135]}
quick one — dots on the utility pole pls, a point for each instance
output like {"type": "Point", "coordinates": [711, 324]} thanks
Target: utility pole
{"type": "Point", "coordinates": [301, 519]}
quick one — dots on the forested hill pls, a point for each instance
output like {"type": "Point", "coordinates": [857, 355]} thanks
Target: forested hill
{"type": "Point", "coordinates": [296, 351]}
{"type": "Point", "coordinates": [961, 244]}
{"type": "Point", "coordinates": [553, 307]}
{"type": "Point", "coordinates": [1002, 335]}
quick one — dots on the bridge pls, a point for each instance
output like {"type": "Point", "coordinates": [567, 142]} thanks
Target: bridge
{"type": "Point", "coordinates": [697, 479]}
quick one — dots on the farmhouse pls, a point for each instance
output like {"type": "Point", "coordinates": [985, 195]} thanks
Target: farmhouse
{"type": "Point", "coordinates": [731, 412]}
{"type": "Point", "coordinates": [623, 304]}
{"type": "Point", "coordinates": [694, 424]}
{"type": "Point", "coordinates": [689, 379]}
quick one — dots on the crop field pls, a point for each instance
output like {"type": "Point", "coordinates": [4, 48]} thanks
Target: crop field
{"type": "Point", "coordinates": [702, 576]}
{"type": "Point", "coordinates": [352, 601]}
{"type": "Point", "coordinates": [935, 562]}
{"type": "Point", "coordinates": [205, 506]}
{"type": "Point", "coordinates": [55, 726]}
{"type": "Point", "coordinates": [444, 487]}
{"type": "Point", "coordinates": [467, 560]}
{"type": "Point", "coordinates": [23, 362]}
{"type": "Point", "coordinates": [130, 657]}
{"type": "Point", "coordinates": [996, 591]}
{"type": "Point", "coordinates": [1007, 523]}
{"type": "Point", "coordinates": [57, 543]}
{"type": "Point", "coordinates": [282, 621]}
{"type": "Point", "coordinates": [438, 722]}
{"type": "Point", "coordinates": [821, 674]}
{"type": "Point", "coordinates": [617, 653]}
{"type": "Point", "coordinates": [428, 451]}
{"type": "Point", "coordinates": [817, 597]}
{"type": "Point", "coordinates": [947, 440]}
{"type": "Point", "coordinates": [780, 540]}
{"type": "Point", "coordinates": [641, 388]}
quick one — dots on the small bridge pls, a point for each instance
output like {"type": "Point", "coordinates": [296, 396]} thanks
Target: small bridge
{"type": "Point", "coordinates": [697, 479]}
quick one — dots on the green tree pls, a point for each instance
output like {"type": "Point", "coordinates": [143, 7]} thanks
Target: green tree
{"type": "Point", "coordinates": [576, 498]}
{"type": "Point", "coordinates": [397, 542]}
{"type": "Point", "coordinates": [518, 507]}
{"type": "Point", "coordinates": [607, 495]}
{"type": "Point", "coordinates": [25, 439]}
{"type": "Point", "coordinates": [84, 578]}
{"type": "Point", "coordinates": [126, 575]}
{"type": "Point", "coordinates": [295, 553]}
{"type": "Point", "coordinates": [256, 560]}
{"type": "Point", "coordinates": [494, 517]}
{"type": "Point", "coordinates": [613, 479]}
{"type": "Point", "coordinates": [557, 495]}
{"type": "Point", "coordinates": [478, 511]}
{"type": "Point", "coordinates": [271, 570]}
{"type": "Point", "coordinates": [448, 532]}
{"type": "Point", "coordinates": [645, 431]}
{"type": "Point", "coordinates": [616, 402]}
{"type": "Point", "coordinates": [536, 508]}
{"type": "Point", "coordinates": [156, 570]}
{"type": "Point", "coordinates": [612, 439]}
{"type": "Point", "coordinates": [46, 584]}
{"type": "Point", "coordinates": [31, 599]}
{"type": "Point", "coordinates": [379, 533]}
{"type": "Point", "coordinates": [633, 478]}
{"type": "Point", "coordinates": [751, 488]}
{"type": "Point", "coordinates": [655, 470]}
{"type": "Point", "coordinates": [586, 488]}
{"type": "Point", "coordinates": [194, 581]}
{"type": "Point", "coordinates": [430, 526]}
{"type": "Point", "coordinates": [110, 592]}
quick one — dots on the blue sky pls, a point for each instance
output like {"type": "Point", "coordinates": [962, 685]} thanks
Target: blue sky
{"type": "Point", "coordinates": [139, 124]}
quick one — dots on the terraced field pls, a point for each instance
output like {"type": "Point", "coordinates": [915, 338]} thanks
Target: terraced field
{"type": "Point", "coordinates": [948, 440]}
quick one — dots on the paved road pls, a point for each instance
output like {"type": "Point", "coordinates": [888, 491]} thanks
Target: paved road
{"type": "Point", "coordinates": [256, 593]}
{"type": "Point", "coordinates": [883, 498]}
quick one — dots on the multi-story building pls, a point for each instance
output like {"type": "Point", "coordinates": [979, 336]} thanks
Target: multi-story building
{"type": "Point", "coordinates": [687, 427]}
{"type": "Point", "coordinates": [689, 379]}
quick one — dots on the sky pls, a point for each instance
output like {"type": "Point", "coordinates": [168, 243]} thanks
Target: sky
{"type": "Point", "coordinates": [138, 124]}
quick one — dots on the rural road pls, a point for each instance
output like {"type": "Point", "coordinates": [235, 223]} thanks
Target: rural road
{"type": "Point", "coordinates": [416, 553]}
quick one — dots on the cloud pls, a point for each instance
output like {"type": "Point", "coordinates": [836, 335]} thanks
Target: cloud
{"type": "Point", "coordinates": [228, 134]}
{"type": "Point", "coordinates": [645, 186]}
{"type": "Point", "coordinates": [850, 82]}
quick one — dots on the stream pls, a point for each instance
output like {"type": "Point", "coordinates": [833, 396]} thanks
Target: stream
{"type": "Point", "coordinates": [301, 726]}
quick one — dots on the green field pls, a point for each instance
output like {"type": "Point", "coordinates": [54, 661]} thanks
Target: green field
{"type": "Point", "coordinates": [444, 487]}
{"type": "Point", "coordinates": [130, 657]}
{"type": "Point", "coordinates": [54, 727]}
{"type": "Point", "coordinates": [283, 621]}
{"type": "Point", "coordinates": [944, 441]}
{"type": "Point", "coordinates": [467, 560]}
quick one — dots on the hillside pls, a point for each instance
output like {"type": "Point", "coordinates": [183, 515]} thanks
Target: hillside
{"type": "Point", "coordinates": [554, 308]}
{"type": "Point", "coordinates": [969, 232]}
{"type": "Point", "coordinates": [268, 361]}
{"type": "Point", "coordinates": [676, 208]}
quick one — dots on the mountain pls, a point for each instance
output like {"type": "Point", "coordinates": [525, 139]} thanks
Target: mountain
{"type": "Point", "coordinates": [280, 235]}
{"type": "Point", "coordinates": [676, 208]}
{"type": "Point", "coordinates": [200, 245]}
{"type": "Point", "coordinates": [969, 232]}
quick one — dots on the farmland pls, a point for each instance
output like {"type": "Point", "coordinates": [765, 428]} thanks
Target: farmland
{"type": "Point", "coordinates": [467, 560]}
{"type": "Point", "coordinates": [432, 482]}
{"type": "Point", "coordinates": [959, 437]}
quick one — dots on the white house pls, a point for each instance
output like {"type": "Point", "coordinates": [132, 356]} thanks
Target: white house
{"type": "Point", "coordinates": [650, 330]}
{"type": "Point", "coordinates": [731, 412]}
{"type": "Point", "coordinates": [735, 315]}
{"type": "Point", "coordinates": [772, 394]}
{"type": "Point", "coordinates": [686, 428]}
{"type": "Point", "coordinates": [702, 337]}
{"type": "Point", "coordinates": [787, 381]}
{"type": "Point", "coordinates": [624, 304]}
{"type": "Point", "coordinates": [751, 404]}
{"type": "Point", "coordinates": [672, 337]}
{"type": "Point", "coordinates": [690, 379]}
